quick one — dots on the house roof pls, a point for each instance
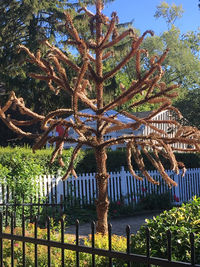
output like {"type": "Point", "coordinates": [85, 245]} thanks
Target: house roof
{"type": "Point", "coordinates": [142, 114]}
{"type": "Point", "coordinates": [119, 116]}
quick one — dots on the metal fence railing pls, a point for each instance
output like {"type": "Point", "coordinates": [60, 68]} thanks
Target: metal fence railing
{"type": "Point", "coordinates": [127, 256]}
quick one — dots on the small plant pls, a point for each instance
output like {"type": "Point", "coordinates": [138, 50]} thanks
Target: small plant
{"type": "Point", "coordinates": [181, 221]}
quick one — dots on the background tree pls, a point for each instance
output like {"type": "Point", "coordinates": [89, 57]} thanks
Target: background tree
{"type": "Point", "coordinates": [29, 22]}
{"type": "Point", "coordinates": [169, 13]}
{"type": "Point", "coordinates": [190, 108]}
{"type": "Point", "coordinates": [182, 63]}
{"type": "Point", "coordinates": [87, 88]}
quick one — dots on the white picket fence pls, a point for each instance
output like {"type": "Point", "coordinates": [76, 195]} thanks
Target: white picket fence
{"type": "Point", "coordinates": [121, 186]}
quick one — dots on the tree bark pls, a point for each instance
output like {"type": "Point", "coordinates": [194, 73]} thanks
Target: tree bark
{"type": "Point", "coordinates": [102, 203]}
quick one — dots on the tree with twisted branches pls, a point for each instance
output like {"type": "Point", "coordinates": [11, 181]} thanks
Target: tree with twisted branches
{"type": "Point", "coordinates": [87, 88]}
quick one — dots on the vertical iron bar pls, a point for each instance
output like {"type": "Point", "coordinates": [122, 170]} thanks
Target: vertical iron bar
{"type": "Point", "coordinates": [22, 207]}
{"type": "Point", "coordinates": [148, 245]}
{"type": "Point", "coordinates": [55, 188]}
{"type": "Point", "coordinates": [35, 236]}
{"type": "Point", "coordinates": [14, 210]}
{"type": "Point", "coordinates": [93, 242]}
{"type": "Point", "coordinates": [110, 242]}
{"type": "Point", "coordinates": [77, 242]}
{"type": "Point", "coordinates": [1, 240]}
{"type": "Point", "coordinates": [12, 242]}
{"type": "Point", "coordinates": [128, 231]}
{"type": "Point", "coordinates": [7, 201]}
{"type": "Point", "coordinates": [169, 245]}
{"type": "Point", "coordinates": [31, 209]}
{"type": "Point", "coordinates": [48, 238]}
{"type": "Point", "coordinates": [62, 241]}
{"type": "Point", "coordinates": [39, 205]}
{"type": "Point", "coordinates": [3, 200]}
{"type": "Point", "coordinates": [192, 249]}
{"type": "Point", "coordinates": [23, 243]}
{"type": "Point", "coordinates": [52, 195]}
{"type": "Point", "coordinates": [64, 193]}
{"type": "Point", "coordinates": [61, 206]}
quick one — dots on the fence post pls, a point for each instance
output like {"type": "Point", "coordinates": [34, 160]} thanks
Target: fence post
{"type": "Point", "coordinates": [123, 184]}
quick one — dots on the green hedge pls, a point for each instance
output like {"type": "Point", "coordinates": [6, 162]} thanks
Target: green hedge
{"type": "Point", "coordinates": [86, 161]}
{"type": "Point", "coordinates": [116, 159]}
{"type": "Point", "coordinates": [19, 168]}
{"type": "Point", "coordinates": [10, 156]}
{"type": "Point", "coordinates": [181, 222]}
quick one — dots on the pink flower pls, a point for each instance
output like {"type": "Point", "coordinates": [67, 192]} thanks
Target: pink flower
{"type": "Point", "coordinates": [118, 203]}
{"type": "Point", "coordinates": [176, 199]}
{"type": "Point", "coordinates": [144, 189]}
{"type": "Point", "coordinates": [16, 245]}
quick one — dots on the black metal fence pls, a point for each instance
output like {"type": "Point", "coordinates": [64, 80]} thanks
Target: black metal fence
{"type": "Point", "coordinates": [36, 208]}
{"type": "Point", "coordinates": [127, 258]}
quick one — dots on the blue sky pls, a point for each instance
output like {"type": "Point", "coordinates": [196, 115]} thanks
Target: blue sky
{"type": "Point", "coordinates": [143, 11]}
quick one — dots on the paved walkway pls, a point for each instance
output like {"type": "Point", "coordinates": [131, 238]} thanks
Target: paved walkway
{"type": "Point", "coordinates": [118, 225]}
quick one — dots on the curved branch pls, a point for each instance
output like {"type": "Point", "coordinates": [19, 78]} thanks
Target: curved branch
{"type": "Point", "coordinates": [118, 39]}
{"type": "Point", "coordinates": [58, 112]}
{"type": "Point", "coordinates": [129, 156]}
{"type": "Point", "coordinates": [70, 169]}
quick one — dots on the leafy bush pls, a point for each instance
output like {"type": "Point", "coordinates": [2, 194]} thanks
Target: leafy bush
{"type": "Point", "coordinates": [41, 157]}
{"type": "Point", "coordinates": [19, 168]}
{"type": "Point", "coordinates": [181, 221]}
{"type": "Point", "coordinates": [19, 173]}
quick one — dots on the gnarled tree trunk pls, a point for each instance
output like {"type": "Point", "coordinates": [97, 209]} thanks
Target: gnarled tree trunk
{"type": "Point", "coordinates": [102, 203]}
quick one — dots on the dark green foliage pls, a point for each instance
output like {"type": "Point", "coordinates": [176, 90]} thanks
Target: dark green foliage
{"type": "Point", "coordinates": [9, 157]}
{"type": "Point", "coordinates": [181, 222]}
{"type": "Point", "coordinates": [190, 108]}
{"type": "Point", "coordinates": [117, 159]}
{"type": "Point", "coordinates": [155, 202]}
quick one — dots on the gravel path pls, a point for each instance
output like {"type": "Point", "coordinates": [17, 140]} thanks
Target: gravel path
{"type": "Point", "coordinates": [118, 225]}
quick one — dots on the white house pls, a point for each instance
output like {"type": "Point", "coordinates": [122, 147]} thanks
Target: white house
{"type": "Point", "coordinates": [143, 130]}
{"type": "Point", "coordinates": [120, 117]}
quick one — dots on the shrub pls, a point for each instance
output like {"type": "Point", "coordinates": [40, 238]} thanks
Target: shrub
{"type": "Point", "coordinates": [41, 157]}
{"type": "Point", "coordinates": [19, 173]}
{"type": "Point", "coordinates": [181, 221]}
{"type": "Point", "coordinates": [19, 168]}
